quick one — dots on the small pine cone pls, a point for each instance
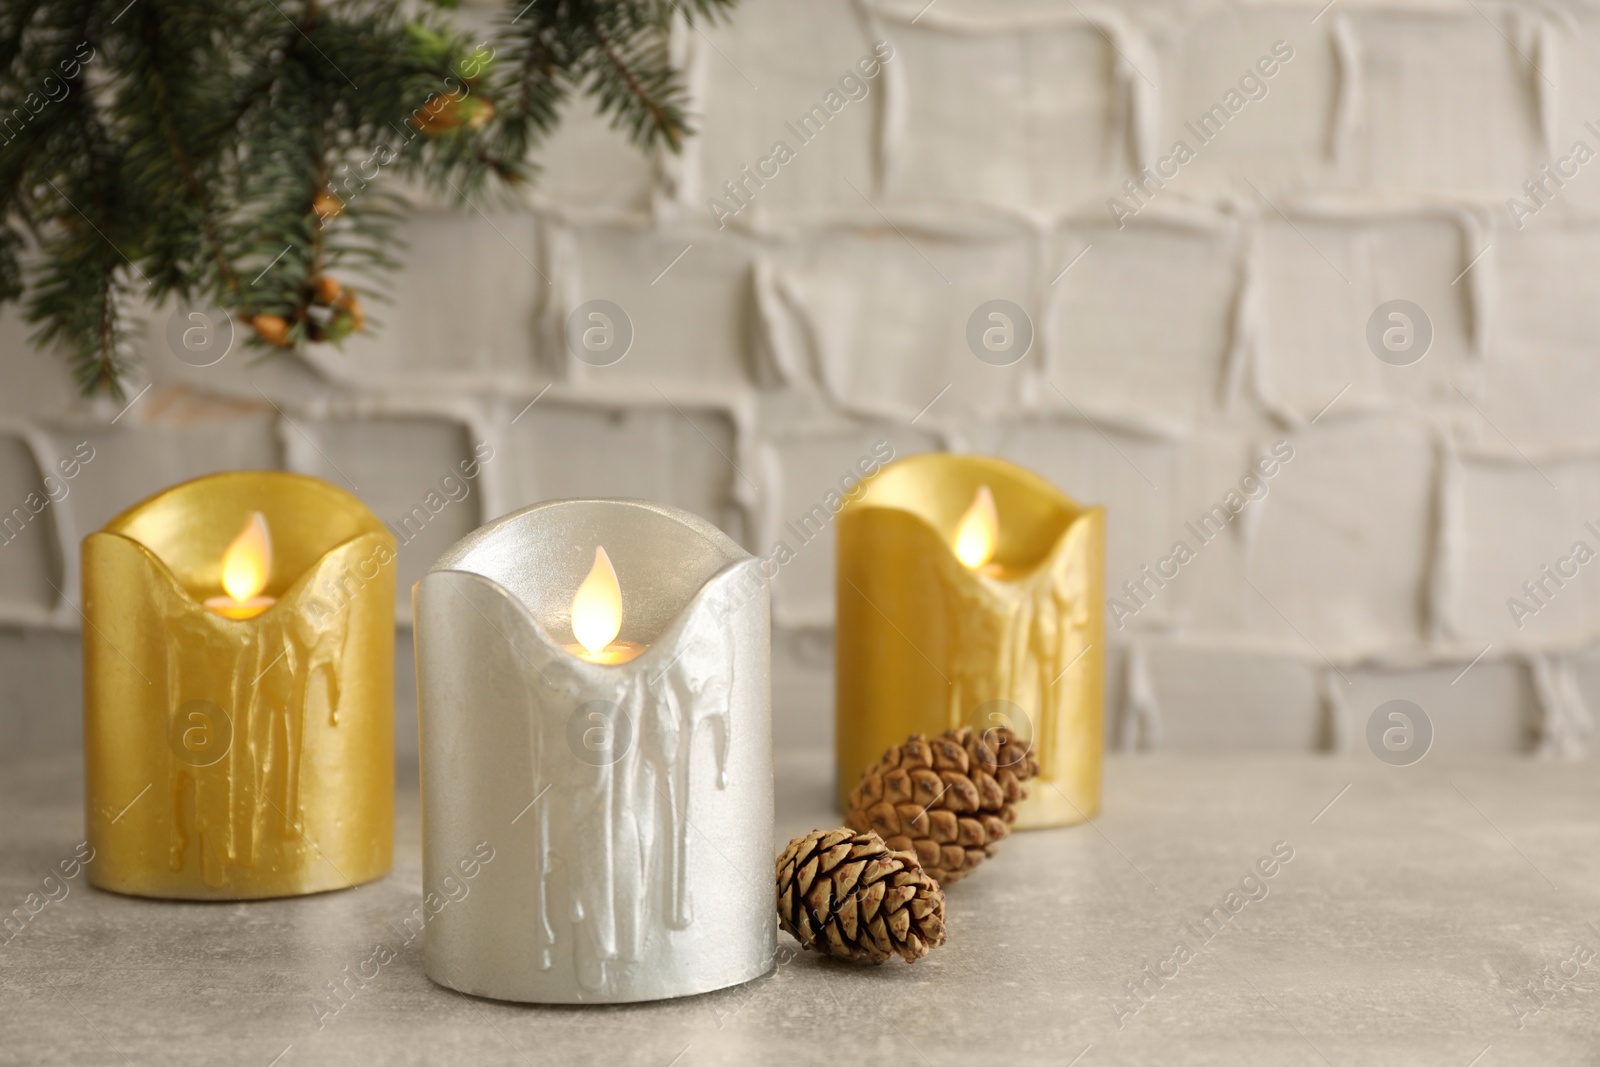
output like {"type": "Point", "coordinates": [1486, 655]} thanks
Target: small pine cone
{"type": "Point", "coordinates": [327, 206]}
{"type": "Point", "coordinates": [444, 112]}
{"type": "Point", "coordinates": [325, 289]}
{"type": "Point", "coordinates": [475, 112]}
{"type": "Point", "coordinates": [349, 304]}
{"type": "Point", "coordinates": [949, 800]}
{"type": "Point", "coordinates": [273, 329]}
{"type": "Point", "coordinates": [849, 895]}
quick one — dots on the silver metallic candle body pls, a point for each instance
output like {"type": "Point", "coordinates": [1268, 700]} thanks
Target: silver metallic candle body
{"type": "Point", "coordinates": [627, 808]}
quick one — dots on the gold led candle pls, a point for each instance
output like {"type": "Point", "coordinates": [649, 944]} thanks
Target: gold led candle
{"type": "Point", "coordinates": [970, 592]}
{"type": "Point", "coordinates": [238, 655]}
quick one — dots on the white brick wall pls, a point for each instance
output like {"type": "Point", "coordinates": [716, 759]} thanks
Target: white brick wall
{"type": "Point", "coordinates": [768, 355]}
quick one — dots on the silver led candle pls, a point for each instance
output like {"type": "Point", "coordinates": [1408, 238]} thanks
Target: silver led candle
{"type": "Point", "coordinates": [624, 792]}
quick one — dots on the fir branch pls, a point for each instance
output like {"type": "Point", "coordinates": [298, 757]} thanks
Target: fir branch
{"type": "Point", "coordinates": [235, 148]}
{"type": "Point", "coordinates": [662, 122]}
{"type": "Point", "coordinates": [159, 84]}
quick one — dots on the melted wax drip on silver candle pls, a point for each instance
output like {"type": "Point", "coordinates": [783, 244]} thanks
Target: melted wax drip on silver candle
{"type": "Point", "coordinates": [627, 833]}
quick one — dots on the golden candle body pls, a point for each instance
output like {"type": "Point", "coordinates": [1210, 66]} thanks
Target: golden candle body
{"type": "Point", "coordinates": [226, 758]}
{"type": "Point", "coordinates": [925, 643]}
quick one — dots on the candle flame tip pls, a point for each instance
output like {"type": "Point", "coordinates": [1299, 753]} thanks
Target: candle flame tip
{"type": "Point", "coordinates": [978, 532]}
{"type": "Point", "coordinates": [247, 563]}
{"type": "Point", "coordinates": [597, 606]}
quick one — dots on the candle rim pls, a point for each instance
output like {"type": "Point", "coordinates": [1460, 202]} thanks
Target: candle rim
{"type": "Point", "coordinates": [255, 491]}
{"type": "Point", "coordinates": [293, 593]}
{"type": "Point", "coordinates": [1000, 476]}
{"type": "Point", "coordinates": [732, 557]}
{"type": "Point", "coordinates": [127, 517]}
{"type": "Point", "coordinates": [655, 649]}
{"type": "Point", "coordinates": [496, 528]}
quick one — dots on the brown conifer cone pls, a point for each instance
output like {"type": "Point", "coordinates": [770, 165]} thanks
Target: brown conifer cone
{"type": "Point", "coordinates": [847, 894]}
{"type": "Point", "coordinates": [949, 800]}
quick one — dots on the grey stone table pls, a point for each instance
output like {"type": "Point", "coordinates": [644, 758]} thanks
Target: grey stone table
{"type": "Point", "coordinates": [1444, 914]}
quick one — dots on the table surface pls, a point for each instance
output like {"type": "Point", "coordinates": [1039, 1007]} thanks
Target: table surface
{"type": "Point", "coordinates": [1421, 908]}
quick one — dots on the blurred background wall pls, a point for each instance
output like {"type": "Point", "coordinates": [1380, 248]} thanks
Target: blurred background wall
{"type": "Point", "coordinates": [1181, 336]}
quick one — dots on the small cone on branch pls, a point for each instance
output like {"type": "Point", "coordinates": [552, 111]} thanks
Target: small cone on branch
{"type": "Point", "coordinates": [327, 206]}
{"type": "Point", "coordinates": [949, 800]}
{"type": "Point", "coordinates": [848, 895]}
{"type": "Point", "coordinates": [444, 112]}
{"type": "Point", "coordinates": [325, 289]}
{"type": "Point", "coordinates": [273, 329]}
{"type": "Point", "coordinates": [350, 306]}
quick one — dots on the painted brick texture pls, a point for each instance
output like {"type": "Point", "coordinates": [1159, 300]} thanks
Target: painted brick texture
{"type": "Point", "coordinates": [785, 311]}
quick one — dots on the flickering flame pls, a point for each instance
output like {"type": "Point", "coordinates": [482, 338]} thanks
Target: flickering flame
{"type": "Point", "coordinates": [597, 607]}
{"type": "Point", "coordinates": [248, 560]}
{"type": "Point", "coordinates": [978, 531]}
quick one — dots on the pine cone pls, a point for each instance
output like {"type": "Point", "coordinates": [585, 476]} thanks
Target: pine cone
{"type": "Point", "coordinates": [327, 206]}
{"type": "Point", "coordinates": [325, 289]}
{"type": "Point", "coordinates": [273, 329]}
{"type": "Point", "coordinates": [444, 112]}
{"type": "Point", "coordinates": [949, 800]}
{"type": "Point", "coordinates": [350, 305]}
{"type": "Point", "coordinates": [847, 894]}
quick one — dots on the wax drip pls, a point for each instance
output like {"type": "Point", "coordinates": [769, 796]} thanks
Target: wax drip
{"type": "Point", "coordinates": [542, 858]}
{"type": "Point", "coordinates": [1014, 641]}
{"type": "Point", "coordinates": [1141, 711]}
{"type": "Point", "coordinates": [225, 810]}
{"type": "Point", "coordinates": [1336, 719]}
{"type": "Point", "coordinates": [1567, 725]}
{"type": "Point", "coordinates": [614, 853]}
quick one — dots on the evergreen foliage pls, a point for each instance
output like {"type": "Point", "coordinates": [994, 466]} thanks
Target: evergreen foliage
{"type": "Point", "coordinates": [242, 152]}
